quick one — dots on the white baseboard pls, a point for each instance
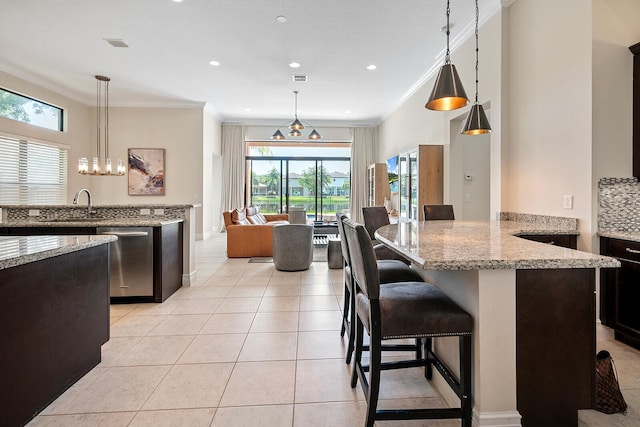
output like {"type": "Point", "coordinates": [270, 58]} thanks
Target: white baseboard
{"type": "Point", "coordinates": [187, 279]}
{"type": "Point", "coordinates": [480, 419]}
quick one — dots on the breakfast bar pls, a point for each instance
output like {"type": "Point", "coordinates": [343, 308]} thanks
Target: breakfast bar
{"type": "Point", "coordinates": [534, 314]}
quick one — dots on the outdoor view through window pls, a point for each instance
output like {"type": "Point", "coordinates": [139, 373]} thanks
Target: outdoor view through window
{"type": "Point", "coordinates": [313, 176]}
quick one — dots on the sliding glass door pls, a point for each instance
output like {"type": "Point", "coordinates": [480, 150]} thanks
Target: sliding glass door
{"type": "Point", "coordinates": [320, 186]}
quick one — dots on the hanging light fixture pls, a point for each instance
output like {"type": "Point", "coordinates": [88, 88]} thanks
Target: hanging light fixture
{"type": "Point", "coordinates": [448, 92]}
{"type": "Point", "coordinates": [296, 126]}
{"type": "Point", "coordinates": [101, 164]}
{"type": "Point", "coordinates": [476, 122]}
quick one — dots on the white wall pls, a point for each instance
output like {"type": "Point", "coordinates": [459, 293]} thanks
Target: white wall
{"type": "Point", "coordinates": [550, 110]}
{"type": "Point", "coordinates": [612, 98]}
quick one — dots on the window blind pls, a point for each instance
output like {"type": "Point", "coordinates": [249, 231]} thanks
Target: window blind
{"type": "Point", "coordinates": [32, 173]}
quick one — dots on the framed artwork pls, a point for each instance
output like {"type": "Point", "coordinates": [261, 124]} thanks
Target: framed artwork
{"type": "Point", "coordinates": [146, 171]}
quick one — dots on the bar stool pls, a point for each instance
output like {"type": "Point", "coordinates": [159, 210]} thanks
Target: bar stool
{"type": "Point", "coordinates": [404, 310]}
{"type": "Point", "coordinates": [432, 212]}
{"type": "Point", "coordinates": [389, 270]}
{"type": "Point", "coordinates": [374, 218]}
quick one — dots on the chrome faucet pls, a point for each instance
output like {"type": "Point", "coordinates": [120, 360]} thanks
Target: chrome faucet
{"type": "Point", "coordinates": [77, 196]}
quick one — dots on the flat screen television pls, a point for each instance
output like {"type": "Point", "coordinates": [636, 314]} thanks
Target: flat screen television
{"type": "Point", "coordinates": [392, 171]}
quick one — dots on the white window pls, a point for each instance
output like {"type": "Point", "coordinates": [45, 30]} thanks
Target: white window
{"type": "Point", "coordinates": [32, 173]}
{"type": "Point", "coordinates": [29, 110]}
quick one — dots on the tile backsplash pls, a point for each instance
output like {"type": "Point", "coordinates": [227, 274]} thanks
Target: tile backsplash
{"type": "Point", "coordinates": [619, 204]}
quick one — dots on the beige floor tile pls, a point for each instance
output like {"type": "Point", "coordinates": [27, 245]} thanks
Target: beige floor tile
{"type": "Point", "coordinates": [324, 381]}
{"type": "Point", "coordinates": [117, 419]}
{"type": "Point", "coordinates": [213, 349]}
{"type": "Point", "coordinates": [316, 279]}
{"type": "Point", "coordinates": [209, 292]}
{"type": "Point", "coordinates": [405, 384]}
{"type": "Point", "coordinates": [282, 291]}
{"type": "Point", "coordinates": [321, 345]}
{"type": "Point", "coordinates": [320, 320]}
{"type": "Point", "coordinates": [115, 348]}
{"type": "Point", "coordinates": [119, 389]}
{"type": "Point", "coordinates": [197, 306]}
{"type": "Point", "coordinates": [153, 308]}
{"type": "Point", "coordinates": [120, 310]}
{"type": "Point", "coordinates": [254, 416]}
{"type": "Point", "coordinates": [259, 269]}
{"type": "Point", "coordinates": [191, 386]}
{"type": "Point", "coordinates": [285, 278]}
{"type": "Point", "coordinates": [269, 346]}
{"type": "Point", "coordinates": [324, 289]}
{"type": "Point", "coordinates": [228, 323]}
{"type": "Point", "coordinates": [260, 383]}
{"type": "Point", "coordinates": [173, 418]}
{"type": "Point", "coordinates": [247, 291]}
{"type": "Point", "coordinates": [334, 414]}
{"type": "Point", "coordinates": [159, 350]}
{"type": "Point", "coordinates": [271, 304]}
{"type": "Point", "coordinates": [224, 281]}
{"type": "Point", "coordinates": [320, 302]}
{"type": "Point", "coordinates": [254, 280]}
{"type": "Point", "coordinates": [283, 321]}
{"type": "Point", "coordinates": [239, 305]}
{"type": "Point", "coordinates": [82, 386]}
{"type": "Point", "coordinates": [181, 324]}
{"type": "Point", "coordinates": [135, 326]}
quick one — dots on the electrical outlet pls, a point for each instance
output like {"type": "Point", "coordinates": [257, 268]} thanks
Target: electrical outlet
{"type": "Point", "coordinates": [568, 202]}
{"type": "Point", "coordinates": [34, 212]}
{"type": "Point", "coordinates": [158, 211]}
{"type": "Point", "coordinates": [467, 197]}
{"type": "Point", "coordinates": [145, 211]}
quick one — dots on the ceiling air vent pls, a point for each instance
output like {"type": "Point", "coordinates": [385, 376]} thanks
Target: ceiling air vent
{"type": "Point", "coordinates": [300, 78]}
{"type": "Point", "coordinates": [116, 42]}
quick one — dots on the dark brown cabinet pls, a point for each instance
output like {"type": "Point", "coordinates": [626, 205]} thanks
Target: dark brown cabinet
{"type": "Point", "coordinates": [635, 49]}
{"type": "Point", "coordinates": [620, 290]}
{"type": "Point", "coordinates": [564, 240]}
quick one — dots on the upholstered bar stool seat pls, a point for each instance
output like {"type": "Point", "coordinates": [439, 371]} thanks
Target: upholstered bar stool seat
{"type": "Point", "coordinates": [408, 309]}
{"type": "Point", "coordinates": [292, 247]}
{"type": "Point", "coordinates": [392, 270]}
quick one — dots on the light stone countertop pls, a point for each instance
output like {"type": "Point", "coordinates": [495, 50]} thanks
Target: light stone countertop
{"type": "Point", "coordinates": [94, 222]}
{"type": "Point", "coordinates": [484, 245]}
{"type": "Point", "coordinates": [18, 250]}
{"type": "Point", "coordinates": [632, 236]}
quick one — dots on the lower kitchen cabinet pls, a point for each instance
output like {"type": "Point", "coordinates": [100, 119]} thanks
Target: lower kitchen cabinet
{"type": "Point", "coordinates": [620, 290]}
{"type": "Point", "coordinates": [167, 256]}
{"type": "Point", "coordinates": [565, 240]}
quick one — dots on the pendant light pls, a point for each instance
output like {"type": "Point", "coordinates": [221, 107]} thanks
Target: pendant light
{"type": "Point", "coordinates": [296, 126]}
{"type": "Point", "coordinates": [476, 122]}
{"type": "Point", "coordinates": [448, 92]}
{"type": "Point", "coordinates": [101, 164]}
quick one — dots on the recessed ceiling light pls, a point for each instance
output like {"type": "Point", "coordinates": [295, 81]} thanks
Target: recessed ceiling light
{"type": "Point", "coordinates": [347, 112]}
{"type": "Point", "coordinates": [294, 65]}
{"type": "Point", "coordinates": [214, 63]}
{"type": "Point", "coordinates": [281, 18]}
{"type": "Point", "coordinates": [371, 67]}
{"type": "Point", "coordinates": [178, 1]}
{"type": "Point", "coordinates": [247, 109]}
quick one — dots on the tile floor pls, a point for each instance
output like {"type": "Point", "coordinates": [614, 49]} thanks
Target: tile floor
{"type": "Point", "coordinates": [247, 345]}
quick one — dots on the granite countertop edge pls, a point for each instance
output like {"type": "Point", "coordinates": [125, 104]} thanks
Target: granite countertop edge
{"type": "Point", "coordinates": [72, 244]}
{"type": "Point", "coordinates": [632, 236]}
{"type": "Point", "coordinates": [97, 222]}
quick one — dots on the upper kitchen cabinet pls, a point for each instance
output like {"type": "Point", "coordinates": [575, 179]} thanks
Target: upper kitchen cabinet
{"type": "Point", "coordinates": [421, 180]}
{"type": "Point", "coordinates": [635, 49]}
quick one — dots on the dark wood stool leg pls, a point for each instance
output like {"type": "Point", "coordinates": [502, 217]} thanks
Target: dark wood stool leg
{"type": "Point", "coordinates": [465, 379]}
{"type": "Point", "coordinates": [357, 335]}
{"type": "Point", "coordinates": [352, 323]}
{"type": "Point", "coordinates": [428, 348]}
{"type": "Point", "coordinates": [345, 310]}
{"type": "Point", "coordinates": [374, 377]}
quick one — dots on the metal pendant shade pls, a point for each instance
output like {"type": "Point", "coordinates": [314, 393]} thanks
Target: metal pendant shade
{"type": "Point", "coordinates": [296, 126]}
{"type": "Point", "coordinates": [476, 122]}
{"type": "Point", "coordinates": [448, 92]}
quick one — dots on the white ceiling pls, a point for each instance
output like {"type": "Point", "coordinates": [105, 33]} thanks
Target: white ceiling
{"type": "Point", "coordinates": [60, 45]}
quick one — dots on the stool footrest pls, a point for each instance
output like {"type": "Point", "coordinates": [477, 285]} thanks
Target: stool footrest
{"type": "Point", "coordinates": [419, 414]}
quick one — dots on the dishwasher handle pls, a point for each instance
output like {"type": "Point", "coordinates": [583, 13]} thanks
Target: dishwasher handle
{"type": "Point", "coordinates": [125, 233]}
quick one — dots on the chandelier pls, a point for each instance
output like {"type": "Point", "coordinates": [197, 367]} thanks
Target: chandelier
{"type": "Point", "coordinates": [101, 164]}
{"type": "Point", "coordinates": [296, 126]}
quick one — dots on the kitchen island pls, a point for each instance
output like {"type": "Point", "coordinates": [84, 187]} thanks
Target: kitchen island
{"type": "Point", "coordinates": [534, 314]}
{"type": "Point", "coordinates": [54, 317]}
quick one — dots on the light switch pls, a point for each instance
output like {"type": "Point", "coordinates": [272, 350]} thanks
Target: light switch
{"type": "Point", "coordinates": [568, 202]}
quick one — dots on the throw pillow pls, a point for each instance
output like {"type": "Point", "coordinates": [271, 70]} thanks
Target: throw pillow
{"type": "Point", "coordinates": [238, 217]}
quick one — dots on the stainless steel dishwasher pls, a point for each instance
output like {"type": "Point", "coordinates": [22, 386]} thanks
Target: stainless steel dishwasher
{"type": "Point", "coordinates": [131, 261]}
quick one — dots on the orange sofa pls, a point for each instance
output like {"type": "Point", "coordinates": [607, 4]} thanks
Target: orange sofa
{"type": "Point", "coordinates": [250, 233]}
